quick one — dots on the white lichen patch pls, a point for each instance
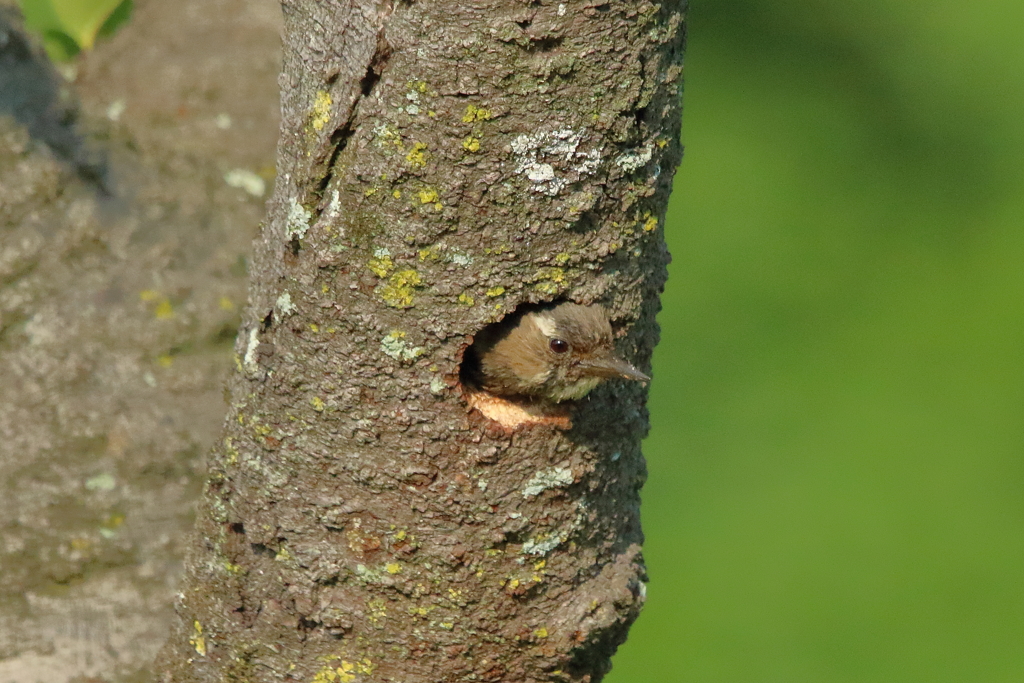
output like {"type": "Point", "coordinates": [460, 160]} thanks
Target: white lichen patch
{"type": "Point", "coordinates": [249, 360]}
{"type": "Point", "coordinates": [544, 543]}
{"type": "Point", "coordinates": [437, 386]}
{"type": "Point", "coordinates": [544, 546]}
{"type": "Point", "coordinates": [368, 574]}
{"type": "Point", "coordinates": [385, 136]}
{"type": "Point", "coordinates": [284, 304]}
{"type": "Point", "coordinates": [555, 477]}
{"type": "Point", "coordinates": [553, 159]}
{"type": "Point", "coordinates": [298, 221]}
{"type": "Point", "coordinates": [460, 259]}
{"type": "Point", "coordinates": [541, 173]}
{"type": "Point", "coordinates": [395, 346]}
{"type": "Point", "coordinates": [634, 159]}
{"type": "Point", "coordinates": [333, 209]}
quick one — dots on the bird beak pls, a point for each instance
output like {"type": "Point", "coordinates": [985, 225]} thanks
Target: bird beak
{"type": "Point", "coordinates": [613, 367]}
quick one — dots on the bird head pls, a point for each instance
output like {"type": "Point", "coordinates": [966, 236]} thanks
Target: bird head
{"type": "Point", "coordinates": [558, 353]}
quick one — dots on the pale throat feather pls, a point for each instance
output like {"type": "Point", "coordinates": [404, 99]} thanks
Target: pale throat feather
{"type": "Point", "coordinates": [576, 390]}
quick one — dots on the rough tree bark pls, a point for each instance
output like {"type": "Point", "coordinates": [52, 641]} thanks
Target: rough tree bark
{"type": "Point", "coordinates": [440, 164]}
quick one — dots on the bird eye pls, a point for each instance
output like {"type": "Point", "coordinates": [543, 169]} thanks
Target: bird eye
{"type": "Point", "coordinates": [559, 345]}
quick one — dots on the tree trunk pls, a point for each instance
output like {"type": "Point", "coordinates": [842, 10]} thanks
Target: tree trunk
{"type": "Point", "coordinates": [440, 164]}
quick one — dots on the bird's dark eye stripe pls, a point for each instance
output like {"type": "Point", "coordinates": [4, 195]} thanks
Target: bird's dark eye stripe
{"type": "Point", "coordinates": [559, 345]}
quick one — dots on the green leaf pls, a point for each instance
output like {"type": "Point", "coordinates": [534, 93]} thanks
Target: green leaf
{"type": "Point", "coordinates": [68, 26]}
{"type": "Point", "coordinates": [120, 16]}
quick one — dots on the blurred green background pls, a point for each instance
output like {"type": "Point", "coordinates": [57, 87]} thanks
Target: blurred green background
{"type": "Point", "coordinates": [836, 468]}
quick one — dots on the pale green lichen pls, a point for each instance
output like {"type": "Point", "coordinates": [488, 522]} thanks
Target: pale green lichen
{"type": "Point", "coordinates": [385, 136]}
{"type": "Point", "coordinates": [495, 291]}
{"type": "Point", "coordinates": [368, 574]}
{"type": "Point", "coordinates": [284, 304]}
{"type": "Point", "coordinates": [533, 153]}
{"type": "Point", "coordinates": [297, 222]}
{"type": "Point", "coordinates": [635, 159]}
{"type": "Point", "coordinates": [414, 91]}
{"type": "Point", "coordinates": [466, 299]}
{"type": "Point", "coordinates": [555, 477]}
{"type": "Point", "coordinates": [471, 144]}
{"type": "Point", "coordinates": [544, 543]}
{"type": "Point", "coordinates": [395, 346]}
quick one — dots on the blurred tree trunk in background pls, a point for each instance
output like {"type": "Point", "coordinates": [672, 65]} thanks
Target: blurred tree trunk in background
{"type": "Point", "coordinates": [440, 163]}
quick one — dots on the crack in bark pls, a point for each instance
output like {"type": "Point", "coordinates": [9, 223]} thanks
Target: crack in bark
{"type": "Point", "coordinates": [341, 135]}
